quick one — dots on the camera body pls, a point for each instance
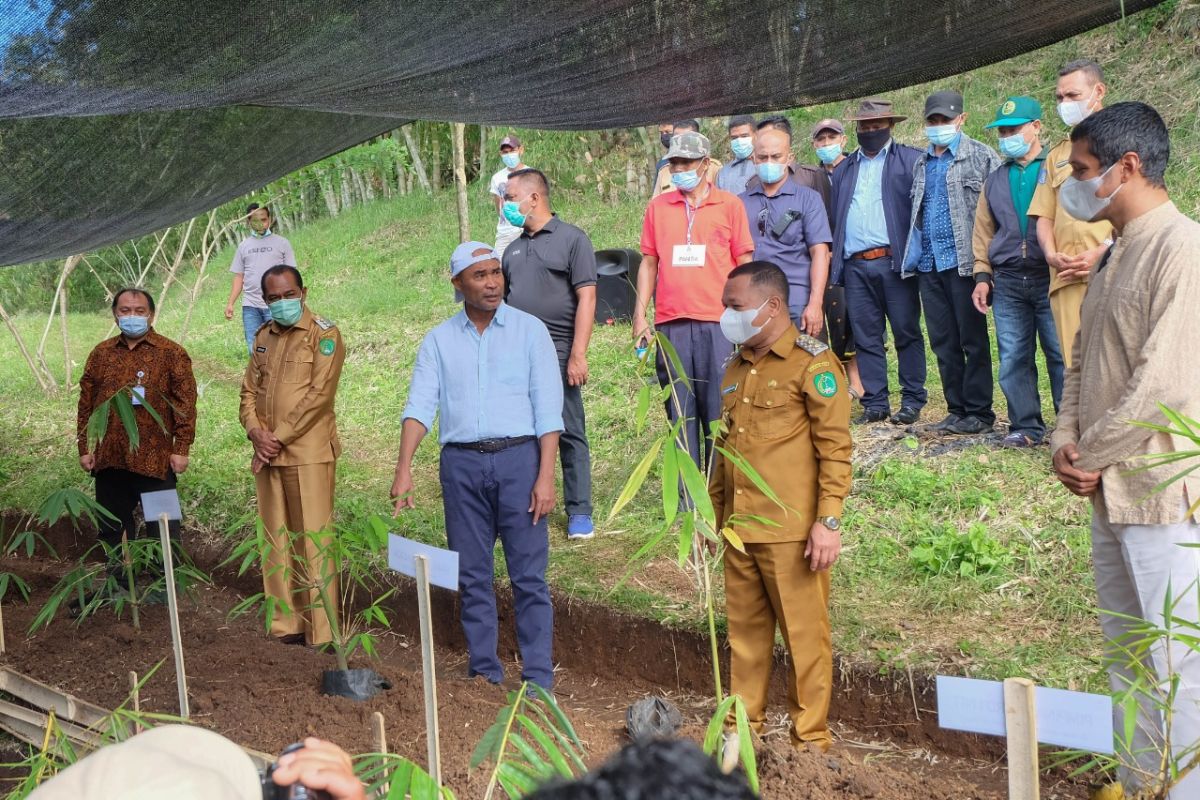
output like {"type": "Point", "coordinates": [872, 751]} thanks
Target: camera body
{"type": "Point", "coordinates": [296, 791]}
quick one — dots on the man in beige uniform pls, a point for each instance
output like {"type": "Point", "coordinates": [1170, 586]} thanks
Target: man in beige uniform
{"type": "Point", "coordinates": [786, 410]}
{"type": "Point", "coordinates": [1136, 350]}
{"type": "Point", "coordinates": [1072, 247]}
{"type": "Point", "coordinates": [287, 411]}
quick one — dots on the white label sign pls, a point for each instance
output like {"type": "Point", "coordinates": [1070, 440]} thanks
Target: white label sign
{"type": "Point", "coordinates": [155, 504]}
{"type": "Point", "coordinates": [443, 564]}
{"type": "Point", "coordinates": [1065, 719]}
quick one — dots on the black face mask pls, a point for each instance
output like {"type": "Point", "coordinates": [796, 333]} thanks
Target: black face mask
{"type": "Point", "coordinates": [873, 141]}
{"type": "Point", "coordinates": [665, 138]}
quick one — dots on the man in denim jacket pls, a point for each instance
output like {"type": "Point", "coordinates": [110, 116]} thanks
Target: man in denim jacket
{"type": "Point", "coordinates": [947, 180]}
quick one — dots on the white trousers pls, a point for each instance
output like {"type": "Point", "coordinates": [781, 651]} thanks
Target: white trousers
{"type": "Point", "coordinates": [1136, 567]}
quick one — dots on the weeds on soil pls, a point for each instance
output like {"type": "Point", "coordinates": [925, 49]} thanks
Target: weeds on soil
{"type": "Point", "coordinates": [394, 777]}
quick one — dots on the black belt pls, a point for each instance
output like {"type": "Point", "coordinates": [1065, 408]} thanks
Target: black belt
{"type": "Point", "coordinates": [491, 445]}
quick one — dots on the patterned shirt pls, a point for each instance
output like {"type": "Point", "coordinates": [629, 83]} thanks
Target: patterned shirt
{"type": "Point", "coordinates": [164, 371]}
{"type": "Point", "coordinates": [937, 229]}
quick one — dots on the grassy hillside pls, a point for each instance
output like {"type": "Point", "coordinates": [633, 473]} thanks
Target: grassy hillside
{"type": "Point", "coordinates": [919, 512]}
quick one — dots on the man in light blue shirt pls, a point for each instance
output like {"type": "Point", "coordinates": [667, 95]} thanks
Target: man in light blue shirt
{"type": "Point", "coordinates": [491, 374]}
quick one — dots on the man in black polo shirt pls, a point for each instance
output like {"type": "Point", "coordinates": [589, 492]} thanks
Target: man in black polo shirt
{"type": "Point", "coordinates": [550, 272]}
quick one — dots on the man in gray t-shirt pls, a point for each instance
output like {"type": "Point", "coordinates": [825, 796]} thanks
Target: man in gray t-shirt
{"type": "Point", "coordinates": [255, 256]}
{"type": "Point", "coordinates": [550, 272]}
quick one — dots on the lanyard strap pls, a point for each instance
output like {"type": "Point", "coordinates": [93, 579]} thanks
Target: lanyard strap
{"type": "Point", "coordinates": [691, 218]}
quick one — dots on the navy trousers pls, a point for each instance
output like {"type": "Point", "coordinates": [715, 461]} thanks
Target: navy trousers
{"type": "Point", "coordinates": [573, 450]}
{"type": "Point", "coordinates": [486, 496]}
{"type": "Point", "coordinates": [703, 349]}
{"type": "Point", "coordinates": [874, 293]}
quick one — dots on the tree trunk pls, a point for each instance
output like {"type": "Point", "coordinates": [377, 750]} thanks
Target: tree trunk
{"type": "Point", "coordinates": [33, 367]}
{"type": "Point", "coordinates": [482, 149]}
{"type": "Point", "coordinates": [347, 200]}
{"type": "Point", "coordinates": [72, 262]}
{"type": "Point", "coordinates": [414, 153]}
{"type": "Point", "coordinates": [170, 279]}
{"type": "Point", "coordinates": [460, 181]}
{"type": "Point", "coordinates": [435, 174]}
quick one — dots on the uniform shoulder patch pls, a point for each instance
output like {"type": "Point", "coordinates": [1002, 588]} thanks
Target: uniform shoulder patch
{"type": "Point", "coordinates": [825, 384]}
{"type": "Point", "coordinates": [327, 347]}
{"type": "Point", "coordinates": [323, 323]}
{"type": "Point", "coordinates": [811, 344]}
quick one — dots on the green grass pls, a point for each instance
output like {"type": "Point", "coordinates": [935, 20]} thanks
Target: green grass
{"type": "Point", "coordinates": [380, 272]}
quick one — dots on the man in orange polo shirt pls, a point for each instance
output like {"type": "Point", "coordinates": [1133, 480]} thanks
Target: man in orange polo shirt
{"type": "Point", "coordinates": [691, 240]}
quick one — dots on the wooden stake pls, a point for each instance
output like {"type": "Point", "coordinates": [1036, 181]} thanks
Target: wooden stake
{"type": "Point", "coordinates": [378, 732]}
{"type": "Point", "coordinates": [430, 680]}
{"type": "Point", "coordinates": [2, 646]}
{"type": "Point", "coordinates": [379, 736]}
{"type": "Point", "coordinates": [1020, 717]}
{"type": "Point", "coordinates": [164, 533]}
{"type": "Point", "coordinates": [460, 181]}
{"type": "Point", "coordinates": [135, 699]}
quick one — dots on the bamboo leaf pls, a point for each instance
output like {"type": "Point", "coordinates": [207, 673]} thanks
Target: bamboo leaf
{"type": "Point", "coordinates": [746, 743]}
{"type": "Point", "coordinates": [687, 534]}
{"type": "Point", "coordinates": [747, 469]}
{"type": "Point", "coordinates": [676, 371]}
{"type": "Point", "coordinates": [670, 482]}
{"type": "Point", "coordinates": [549, 747]}
{"type": "Point", "coordinates": [637, 478]}
{"type": "Point", "coordinates": [537, 765]}
{"type": "Point", "coordinates": [515, 782]}
{"type": "Point", "coordinates": [712, 736]}
{"type": "Point", "coordinates": [734, 540]}
{"type": "Point", "coordinates": [97, 425]}
{"type": "Point", "coordinates": [560, 718]}
{"type": "Point", "coordinates": [697, 489]}
{"type": "Point", "coordinates": [126, 416]}
{"type": "Point", "coordinates": [643, 407]}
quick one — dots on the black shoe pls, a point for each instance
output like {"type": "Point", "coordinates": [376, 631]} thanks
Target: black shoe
{"type": "Point", "coordinates": [907, 415]}
{"type": "Point", "coordinates": [946, 424]}
{"type": "Point", "coordinates": [970, 426]}
{"type": "Point", "coordinates": [871, 415]}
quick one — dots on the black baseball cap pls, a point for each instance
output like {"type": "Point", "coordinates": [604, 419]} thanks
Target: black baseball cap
{"type": "Point", "coordinates": [947, 104]}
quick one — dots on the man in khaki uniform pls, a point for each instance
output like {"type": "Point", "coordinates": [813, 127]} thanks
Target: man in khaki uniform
{"type": "Point", "coordinates": [786, 410]}
{"type": "Point", "coordinates": [1073, 247]}
{"type": "Point", "coordinates": [287, 411]}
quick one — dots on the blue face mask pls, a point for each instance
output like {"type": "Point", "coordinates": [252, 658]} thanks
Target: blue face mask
{"type": "Point", "coordinates": [287, 312]}
{"type": "Point", "coordinates": [770, 173]}
{"type": "Point", "coordinates": [1014, 146]}
{"type": "Point", "coordinates": [133, 326]}
{"type": "Point", "coordinates": [512, 212]}
{"type": "Point", "coordinates": [829, 153]}
{"type": "Point", "coordinates": [742, 146]}
{"type": "Point", "coordinates": [941, 135]}
{"type": "Point", "coordinates": [685, 181]}
{"type": "Point", "coordinates": [511, 160]}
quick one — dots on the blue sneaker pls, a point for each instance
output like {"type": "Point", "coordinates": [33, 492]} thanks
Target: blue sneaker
{"type": "Point", "coordinates": [579, 526]}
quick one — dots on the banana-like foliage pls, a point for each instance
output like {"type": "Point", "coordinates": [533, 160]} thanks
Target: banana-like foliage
{"type": "Point", "coordinates": [531, 741]}
{"type": "Point", "coordinates": [394, 777]}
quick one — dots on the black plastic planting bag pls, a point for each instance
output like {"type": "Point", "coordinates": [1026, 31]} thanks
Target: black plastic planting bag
{"type": "Point", "coordinates": [357, 684]}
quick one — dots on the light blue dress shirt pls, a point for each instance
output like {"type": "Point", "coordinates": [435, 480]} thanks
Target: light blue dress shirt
{"type": "Point", "coordinates": [866, 226]}
{"type": "Point", "coordinates": [500, 384]}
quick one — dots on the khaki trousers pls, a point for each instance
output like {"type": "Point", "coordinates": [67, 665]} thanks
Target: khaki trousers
{"type": "Point", "coordinates": [1065, 304]}
{"type": "Point", "coordinates": [771, 584]}
{"type": "Point", "coordinates": [298, 499]}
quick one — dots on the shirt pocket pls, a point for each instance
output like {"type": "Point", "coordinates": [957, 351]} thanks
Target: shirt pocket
{"type": "Point", "coordinates": [297, 367]}
{"type": "Point", "coordinates": [772, 412]}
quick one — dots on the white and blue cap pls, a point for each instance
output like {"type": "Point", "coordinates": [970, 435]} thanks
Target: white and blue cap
{"type": "Point", "coordinates": [465, 256]}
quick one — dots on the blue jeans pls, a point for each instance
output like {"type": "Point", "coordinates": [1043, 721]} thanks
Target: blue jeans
{"type": "Point", "coordinates": [1021, 305]}
{"type": "Point", "coordinates": [253, 319]}
{"type": "Point", "coordinates": [486, 496]}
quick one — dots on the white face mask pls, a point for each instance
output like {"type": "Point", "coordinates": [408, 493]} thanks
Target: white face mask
{"type": "Point", "coordinates": [738, 326]}
{"type": "Point", "coordinates": [1073, 112]}
{"type": "Point", "coordinates": [1079, 198]}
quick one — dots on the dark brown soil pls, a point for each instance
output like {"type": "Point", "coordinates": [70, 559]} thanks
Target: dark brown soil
{"type": "Point", "coordinates": [265, 695]}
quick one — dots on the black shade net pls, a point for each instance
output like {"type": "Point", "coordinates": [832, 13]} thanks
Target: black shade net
{"type": "Point", "coordinates": [120, 117]}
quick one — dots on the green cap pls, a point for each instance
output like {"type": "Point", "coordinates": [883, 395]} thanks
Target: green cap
{"type": "Point", "coordinates": [1016, 111]}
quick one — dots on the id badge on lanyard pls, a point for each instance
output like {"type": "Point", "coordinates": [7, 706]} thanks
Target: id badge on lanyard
{"type": "Point", "coordinates": [688, 255]}
{"type": "Point", "coordinates": [139, 391]}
